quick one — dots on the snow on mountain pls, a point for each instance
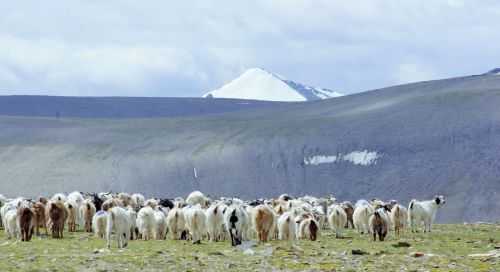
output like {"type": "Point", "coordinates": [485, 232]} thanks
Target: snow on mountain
{"type": "Point", "coordinates": [259, 84]}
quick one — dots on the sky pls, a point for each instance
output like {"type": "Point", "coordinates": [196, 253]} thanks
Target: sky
{"type": "Point", "coordinates": [186, 48]}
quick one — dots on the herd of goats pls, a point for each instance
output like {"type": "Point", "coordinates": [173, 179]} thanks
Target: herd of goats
{"type": "Point", "coordinates": [126, 217]}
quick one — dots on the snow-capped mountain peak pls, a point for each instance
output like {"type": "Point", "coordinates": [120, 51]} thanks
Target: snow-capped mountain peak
{"type": "Point", "coordinates": [259, 84]}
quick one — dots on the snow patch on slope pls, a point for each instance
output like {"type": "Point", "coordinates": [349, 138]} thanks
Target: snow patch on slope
{"type": "Point", "coordinates": [362, 158]}
{"type": "Point", "coordinates": [258, 84]}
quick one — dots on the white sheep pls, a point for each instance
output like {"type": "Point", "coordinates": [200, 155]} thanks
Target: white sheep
{"type": "Point", "coordinates": [119, 223]}
{"type": "Point", "coordinates": [99, 222]}
{"type": "Point", "coordinates": [286, 226]}
{"type": "Point", "coordinates": [195, 222]}
{"type": "Point", "coordinates": [361, 217]}
{"type": "Point", "coordinates": [145, 222]}
{"type": "Point", "coordinates": [399, 218]}
{"type": "Point", "coordinates": [337, 219]}
{"type": "Point", "coordinates": [59, 197]}
{"type": "Point", "coordinates": [176, 223]}
{"type": "Point", "coordinates": [424, 211]}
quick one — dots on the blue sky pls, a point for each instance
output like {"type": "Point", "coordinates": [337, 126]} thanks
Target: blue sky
{"type": "Point", "coordinates": [186, 48]}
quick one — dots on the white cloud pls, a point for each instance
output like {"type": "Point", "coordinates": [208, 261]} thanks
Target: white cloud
{"type": "Point", "coordinates": [412, 72]}
{"type": "Point", "coordinates": [185, 48]}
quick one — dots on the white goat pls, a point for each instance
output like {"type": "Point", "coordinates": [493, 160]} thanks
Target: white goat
{"type": "Point", "coordinates": [424, 211]}
{"type": "Point", "coordinates": [195, 222]}
{"type": "Point", "coordinates": [160, 225]}
{"type": "Point", "coordinates": [236, 220]}
{"type": "Point", "coordinates": [399, 218]}
{"type": "Point", "coordinates": [99, 222]}
{"type": "Point", "coordinates": [337, 219]}
{"type": "Point", "coordinates": [145, 222]}
{"type": "Point", "coordinates": [198, 197]}
{"type": "Point", "coordinates": [361, 216]}
{"type": "Point", "coordinates": [176, 223]}
{"type": "Point", "coordinates": [286, 226]}
{"type": "Point", "coordinates": [119, 223]}
{"type": "Point", "coordinates": [215, 222]}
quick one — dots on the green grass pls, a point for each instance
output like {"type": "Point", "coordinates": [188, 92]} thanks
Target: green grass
{"type": "Point", "coordinates": [446, 249]}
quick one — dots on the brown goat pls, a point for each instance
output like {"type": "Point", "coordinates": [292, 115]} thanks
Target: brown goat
{"type": "Point", "coordinates": [263, 222]}
{"type": "Point", "coordinates": [40, 220]}
{"type": "Point", "coordinates": [88, 210]}
{"type": "Point", "coordinates": [349, 211]}
{"type": "Point", "coordinates": [71, 210]}
{"type": "Point", "coordinates": [379, 226]}
{"type": "Point", "coordinates": [25, 216]}
{"type": "Point", "coordinates": [57, 215]}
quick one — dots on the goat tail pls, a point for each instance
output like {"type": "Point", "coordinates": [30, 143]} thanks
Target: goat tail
{"type": "Point", "coordinates": [412, 203]}
{"type": "Point", "coordinates": [313, 230]}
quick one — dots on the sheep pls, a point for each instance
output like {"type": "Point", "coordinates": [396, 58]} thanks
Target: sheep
{"type": "Point", "coordinates": [215, 222]}
{"type": "Point", "coordinates": [119, 223]}
{"type": "Point", "coordinates": [399, 218]}
{"type": "Point", "coordinates": [337, 219]}
{"type": "Point", "coordinates": [40, 218]}
{"type": "Point", "coordinates": [424, 211]}
{"type": "Point", "coordinates": [176, 223]}
{"type": "Point", "coordinates": [379, 224]}
{"type": "Point", "coordinates": [99, 222]}
{"type": "Point", "coordinates": [198, 197]}
{"type": "Point", "coordinates": [145, 222]}
{"type": "Point", "coordinates": [308, 227]}
{"type": "Point", "coordinates": [195, 222]}
{"type": "Point", "coordinates": [236, 222]}
{"type": "Point", "coordinates": [286, 227]}
{"type": "Point", "coordinates": [71, 208]}
{"type": "Point", "coordinates": [361, 216]}
{"type": "Point", "coordinates": [87, 210]}
{"type": "Point", "coordinates": [160, 224]}
{"type": "Point", "coordinates": [25, 220]}
{"type": "Point", "coordinates": [349, 211]}
{"type": "Point", "coordinates": [57, 214]}
{"type": "Point", "coordinates": [263, 222]}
